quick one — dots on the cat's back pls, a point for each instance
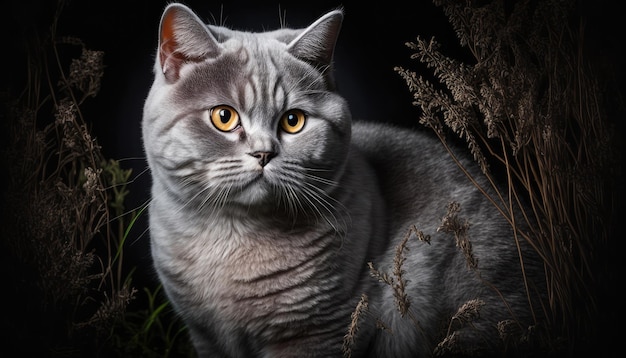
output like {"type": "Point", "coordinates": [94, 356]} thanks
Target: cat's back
{"type": "Point", "coordinates": [416, 173]}
{"type": "Point", "coordinates": [419, 180]}
{"type": "Point", "coordinates": [394, 145]}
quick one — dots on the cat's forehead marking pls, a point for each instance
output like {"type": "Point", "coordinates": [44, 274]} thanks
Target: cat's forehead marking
{"type": "Point", "coordinates": [258, 84]}
{"type": "Point", "coordinates": [255, 74]}
{"type": "Point", "coordinates": [262, 92]}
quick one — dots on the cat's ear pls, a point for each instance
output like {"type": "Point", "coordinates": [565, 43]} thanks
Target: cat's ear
{"type": "Point", "coordinates": [183, 38]}
{"type": "Point", "coordinates": [316, 43]}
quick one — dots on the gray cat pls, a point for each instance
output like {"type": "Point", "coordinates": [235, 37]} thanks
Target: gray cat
{"type": "Point", "coordinates": [269, 205]}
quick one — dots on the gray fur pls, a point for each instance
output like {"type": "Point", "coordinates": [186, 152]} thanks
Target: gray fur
{"type": "Point", "coordinates": [271, 260]}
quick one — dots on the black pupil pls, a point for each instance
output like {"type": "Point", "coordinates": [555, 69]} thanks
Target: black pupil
{"type": "Point", "coordinates": [292, 119]}
{"type": "Point", "coordinates": [224, 115]}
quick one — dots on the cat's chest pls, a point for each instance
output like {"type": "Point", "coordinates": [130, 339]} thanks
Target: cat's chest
{"type": "Point", "coordinates": [250, 276]}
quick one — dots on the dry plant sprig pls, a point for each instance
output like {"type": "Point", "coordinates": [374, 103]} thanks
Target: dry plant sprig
{"type": "Point", "coordinates": [350, 337]}
{"type": "Point", "coordinates": [448, 346]}
{"type": "Point", "coordinates": [111, 310]}
{"type": "Point", "coordinates": [383, 326]}
{"type": "Point", "coordinates": [419, 234]}
{"type": "Point", "coordinates": [452, 224]}
{"type": "Point", "coordinates": [402, 299]}
{"type": "Point", "coordinates": [506, 329]}
{"type": "Point", "coordinates": [86, 72]}
{"type": "Point", "coordinates": [397, 282]}
{"type": "Point", "coordinates": [516, 338]}
{"type": "Point", "coordinates": [467, 313]}
{"type": "Point", "coordinates": [439, 111]}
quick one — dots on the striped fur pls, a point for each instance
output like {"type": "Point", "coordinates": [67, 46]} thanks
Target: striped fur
{"type": "Point", "coordinates": [269, 258]}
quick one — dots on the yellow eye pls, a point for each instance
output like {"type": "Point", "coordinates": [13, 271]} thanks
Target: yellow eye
{"type": "Point", "coordinates": [224, 118]}
{"type": "Point", "coordinates": [292, 121]}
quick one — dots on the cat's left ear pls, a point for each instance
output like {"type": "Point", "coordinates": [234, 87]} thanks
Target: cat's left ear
{"type": "Point", "coordinates": [316, 43]}
{"type": "Point", "coordinates": [183, 38]}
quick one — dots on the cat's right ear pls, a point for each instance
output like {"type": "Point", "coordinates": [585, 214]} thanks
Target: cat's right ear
{"type": "Point", "coordinates": [183, 38]}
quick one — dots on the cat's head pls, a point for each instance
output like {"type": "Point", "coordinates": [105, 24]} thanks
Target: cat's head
{"type": "Point", "coordinates": [240, 118]}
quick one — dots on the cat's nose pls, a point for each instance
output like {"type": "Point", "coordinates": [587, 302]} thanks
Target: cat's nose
{"type": "Point", "coordinates": [263, 157]}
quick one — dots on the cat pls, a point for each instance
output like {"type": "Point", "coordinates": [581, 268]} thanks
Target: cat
{"type": "Point", "coordinates": [272, 210]}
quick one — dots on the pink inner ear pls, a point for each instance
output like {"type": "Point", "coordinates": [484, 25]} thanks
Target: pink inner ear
{"type": "Point", "coordinates": [167, 37]}
{"type": "Point", "coordinates": [169, 56]}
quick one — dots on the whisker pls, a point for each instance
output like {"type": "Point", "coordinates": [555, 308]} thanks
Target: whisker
{"type": "Point", "coordinates": [292, 201]}
{"type": "Point", "coordinates": [143, 233]}
{"type": "Point", "coordinates": [320, 179]}
{"type": "Point", "coordinates": [131, 181]}
{"type": "Point", "coordinates": [314, 193]}
{"type": "Point", "coordinates": [207, 198]}
{"type": "Point", "coordinates": [307, 193]}
{"type": "Point", "coordinates": [131, 211]}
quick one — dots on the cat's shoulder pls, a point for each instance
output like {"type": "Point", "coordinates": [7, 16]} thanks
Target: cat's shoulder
{"type": "Point", "coordinates": [391, 139]}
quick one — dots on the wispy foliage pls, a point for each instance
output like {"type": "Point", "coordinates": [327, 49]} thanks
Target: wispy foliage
{"type": "Point", "coordinates": [65, 221]}
{"type": "Point", "coordinates": [529, 107]}
{"type": "Point", "coordinates": [58, 198]}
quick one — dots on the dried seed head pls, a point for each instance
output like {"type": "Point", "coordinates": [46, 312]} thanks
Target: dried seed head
{"type": "Point", "coordinates": [469, 311]}
{"type": "Point", "coordinates": [86, 72]}
{"type": "Point", "coordinates": [92, 184]}
{"type": "Point", "coordinates": [350, 338]}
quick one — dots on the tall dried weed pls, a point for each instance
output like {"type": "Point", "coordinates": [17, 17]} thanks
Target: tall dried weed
{"type": "Point", "coordinates": [530, 108]}
{"type": "Point", "coordinates": [64, 216]}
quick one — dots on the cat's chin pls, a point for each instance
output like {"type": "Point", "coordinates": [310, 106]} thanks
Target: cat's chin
{"type": "Point", "coordinates": [257, 193]}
